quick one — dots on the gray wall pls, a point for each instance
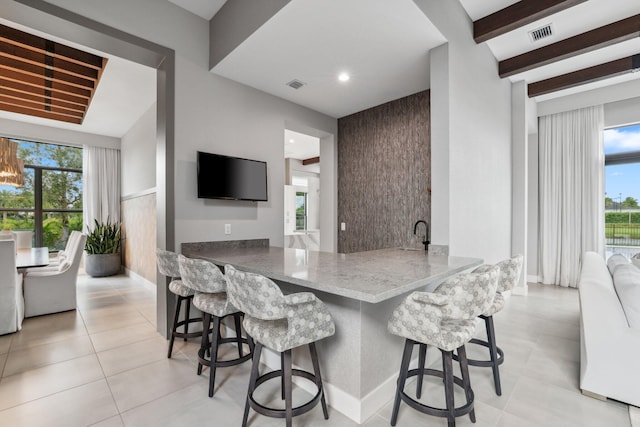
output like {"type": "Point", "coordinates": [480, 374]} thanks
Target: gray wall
{"type": "Point", "coordinates": [137, 154]}
{"type": "Point", "coordinates": [383, 173]}
{"type": "Point", "coordinates": [216, 115]}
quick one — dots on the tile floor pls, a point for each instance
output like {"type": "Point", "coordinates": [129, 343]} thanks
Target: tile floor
{"type": "Point", "coordinates": [105, 365]}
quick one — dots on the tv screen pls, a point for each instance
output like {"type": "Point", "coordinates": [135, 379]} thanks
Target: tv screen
{"type": "Point", "coordinates": [232, 178]}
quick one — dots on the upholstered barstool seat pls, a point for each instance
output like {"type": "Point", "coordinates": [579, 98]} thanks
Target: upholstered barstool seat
{"type": "Point", "coordinates": [509, 275]}
{"type": "Point", "coordinates": [168, 266]}
{"type": "Point", "coordinates": [209, 284]}
{"type": "Point", "coordinates": [281, 323]}
{"type": "Point", "coordinates": [180, 289]}
{"type": "Point", "coordinates": [444, 319]}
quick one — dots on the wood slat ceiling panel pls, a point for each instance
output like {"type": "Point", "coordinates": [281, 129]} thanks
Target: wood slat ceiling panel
{"type": "Point", "coordinates": [42, 78]}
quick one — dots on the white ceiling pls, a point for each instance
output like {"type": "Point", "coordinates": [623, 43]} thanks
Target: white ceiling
{"type": "Point", "coordinates": [383, 45]}
{"type": "Point", "coordinates": [570, 22]}
{"type": "Point", "coordinates": [300, 146]}
{"type": "Point", "coordinates": [386, 49]}
{"type": "Point", "coordinates": [125, 92]}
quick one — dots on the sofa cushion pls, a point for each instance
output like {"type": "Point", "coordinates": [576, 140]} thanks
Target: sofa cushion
{"type": "Point", "coordinates": [626, 281]}
{"type": "Point", "coordinates": [614, 261]}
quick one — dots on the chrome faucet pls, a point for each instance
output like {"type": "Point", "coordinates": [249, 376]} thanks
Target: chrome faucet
{"type": "Point", "coordinates": [425, 242]}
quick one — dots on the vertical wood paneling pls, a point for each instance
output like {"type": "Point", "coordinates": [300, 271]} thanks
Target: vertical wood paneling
{"type": "Point", "coordinates": [383, 173]}
{"type": "Point", "coordinates": [139, 229]}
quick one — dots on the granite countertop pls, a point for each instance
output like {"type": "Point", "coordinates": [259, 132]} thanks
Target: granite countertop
{"type": "Point", "coordinates": [371, 276]}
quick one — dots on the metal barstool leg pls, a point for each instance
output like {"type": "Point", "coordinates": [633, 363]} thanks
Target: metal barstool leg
{"type": "Point", "coordinates": [402, 378]}
{"type": "Point", "coordinates": [252, 380]}
{"type": "Point", "coordinates": [282, 376]}
{"type": "Point", "coordinates": [204, 342]}
{"type": "Point", "coordinates": [422, 355]}
{"type": "Point", "coordinates": [236, 318]}
{"type": "Point", "coordinates": [316, 370]}
{"type": "Point", "coordinates": [288, 388]}
{"type": "Point", "coordinates": [175, 322]}
{"type": "Point", "coordinates": [214, 354]}
{"type": "Point", "coordinates": [447, 369]}
{"type": "Point", "coordinates": [493, 351]}
{"type": "Point", "coordinates": [466, 382]}
{"type": "Point", "coordinates": [187, 317]}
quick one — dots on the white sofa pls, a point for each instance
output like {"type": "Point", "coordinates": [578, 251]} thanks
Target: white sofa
{"type": "Point", "coordinates": [610, 329]}
{"type": "Point", "coordinates": [11, 301]}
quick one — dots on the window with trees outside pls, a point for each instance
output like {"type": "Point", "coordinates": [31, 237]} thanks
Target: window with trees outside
{"type": "Point", "coordinates": [50, 202]}
{"type": "Point", "coordinates": [622, 175]}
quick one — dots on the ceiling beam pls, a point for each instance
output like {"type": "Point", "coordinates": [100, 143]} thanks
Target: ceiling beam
{"type": "Point", "coordinates": [517, 15]}
{"type": "Point", "coordinates": [606, 35]}
{"type": "Point", "coordinates": [30, 41]}
{"type": "Point", "coordinates": [38, 58]}
{"type": "Point", "coordinates": [28, 89]}
{"type": "Point", "coordinates": [39, 113]}
{"type": "Point", "coordinates": [311, 161]}
{"type": "Point", "coordinates": [585, 75]}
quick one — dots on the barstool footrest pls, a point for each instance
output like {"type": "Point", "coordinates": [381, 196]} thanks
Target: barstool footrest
{"type": "Point", "coordinates": [430, 410]}
{"type": "Point", "coordinates": [483, 363]}
{"type": "Point", "coordinates": [281, 413]}
{"type": "Point", "coordinates": [190, 334]}
{"type": "Point", "coordinates": [224, 363]}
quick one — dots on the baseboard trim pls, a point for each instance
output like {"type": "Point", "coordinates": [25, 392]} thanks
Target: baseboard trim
{"type": "Point", "coordinates": [593, 395]}
{"type": "Point", "coordinates": [147, 284]}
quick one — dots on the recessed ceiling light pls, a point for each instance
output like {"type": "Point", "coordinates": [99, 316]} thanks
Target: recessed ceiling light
{"type": "Point", "coordinates": [291, 141]}
{"type": "Point", "coordinates": [343, 77]}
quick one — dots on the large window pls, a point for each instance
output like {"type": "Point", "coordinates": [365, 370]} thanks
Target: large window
{"type": "Point", "coordinates": [50, 202]}
{"type": "Point", "coordinates": [622, 175]}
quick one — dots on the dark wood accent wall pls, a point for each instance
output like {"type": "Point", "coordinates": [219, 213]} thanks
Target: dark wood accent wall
{"type": "Point", "coordinates": [384, 173]}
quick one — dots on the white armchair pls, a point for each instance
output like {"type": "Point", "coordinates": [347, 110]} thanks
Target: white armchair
{"type": "Point", "coordinates": [11, 301]}
{"type": "Point", "coordinates": [48, 290]}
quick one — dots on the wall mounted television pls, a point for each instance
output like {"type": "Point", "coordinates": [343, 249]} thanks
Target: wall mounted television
{"type": "Point", "coordinates": [231, 178]}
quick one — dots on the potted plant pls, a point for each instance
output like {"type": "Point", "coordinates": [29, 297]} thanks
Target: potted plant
{"type": "Point", "coordinates": [103, 250]}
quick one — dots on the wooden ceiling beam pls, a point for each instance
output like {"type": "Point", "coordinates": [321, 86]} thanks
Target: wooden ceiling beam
{"type": "Point", "coordinates": [40, 91]}
{"type": "Point", "coordinates": [43, 100]}
{"type": "Point", "coordinates": [39, 113]}
{"type": "Point", "coordinates": [30, 41]}
{"type": "Point", "coordinates": [41, 82]}
{"type": "Point", "coordinates": [39, 105]}
{"type": "Point", "coordinates": [517, 15]}
{"type": "Point", "coordinates": [42, 71]}
{"type": "Point", "coordinates": [606, 35]}
{"type": "Point", "coordinates": [585, 75]}
{"type": "Point", "coordinates": [311, 161]}
{"type": "Point", "coordinates": [37, 58]}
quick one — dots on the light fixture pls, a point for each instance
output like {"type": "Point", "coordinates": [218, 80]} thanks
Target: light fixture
{"type": "Point", "coordinates": [343, 77]}
{"type": "Point", "coordinates": [291, 141]}
{"type": "Point", "coordinates": [11, 167]}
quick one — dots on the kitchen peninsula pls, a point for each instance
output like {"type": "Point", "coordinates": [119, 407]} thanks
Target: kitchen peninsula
{"type": "Point", "coordinates": [360, 362]}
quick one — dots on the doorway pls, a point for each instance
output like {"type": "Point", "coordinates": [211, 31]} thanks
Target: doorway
{"type": "Point", "coordinates": [301, 191]}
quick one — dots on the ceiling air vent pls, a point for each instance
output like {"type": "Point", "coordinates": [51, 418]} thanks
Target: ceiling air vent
{"type": "Point", "coordinates": [541, 33]}
{"type": "Point", "coordinates": [296, 84]}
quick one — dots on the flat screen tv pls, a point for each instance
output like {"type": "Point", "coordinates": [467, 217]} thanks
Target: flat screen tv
{"type": "Point", "coordinates": [231, 178]}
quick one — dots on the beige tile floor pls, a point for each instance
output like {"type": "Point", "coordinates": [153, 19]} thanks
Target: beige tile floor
{"type": "Point", "coordinates": [105, 365]}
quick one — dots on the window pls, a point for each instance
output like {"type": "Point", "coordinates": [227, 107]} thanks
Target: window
{"type": "Point", "coordinates": [622, 174]}
{"type": "Point", "coordinates": [301, 210]}
{"type": "Point", "coordinates": [50, 202]}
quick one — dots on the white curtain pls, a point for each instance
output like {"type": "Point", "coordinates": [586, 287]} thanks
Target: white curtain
{"type": "Point", "coordinates": [101, 185]}
{"type": "Point", "coordinates": [571, 172]}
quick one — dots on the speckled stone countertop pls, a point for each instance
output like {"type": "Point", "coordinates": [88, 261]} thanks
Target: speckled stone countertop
{"type": "Point", "coordinates": [371, 276]}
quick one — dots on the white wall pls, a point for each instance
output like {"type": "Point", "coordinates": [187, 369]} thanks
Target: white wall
{"type": "Point", "coordinates": [212, 114]}
{"type": "Point", "coordinates": [471, 133]}
{"type": "Point", "coordinates": [138, 153]}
